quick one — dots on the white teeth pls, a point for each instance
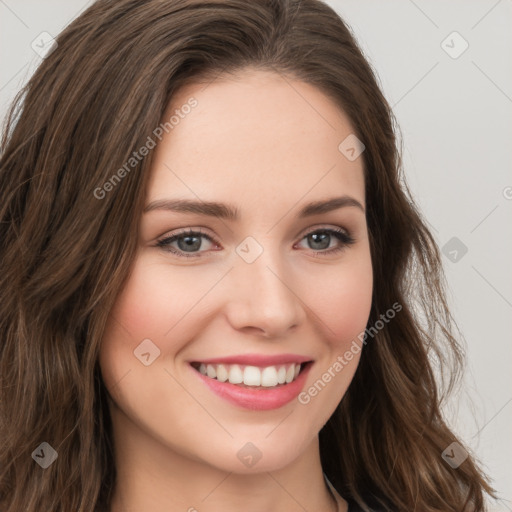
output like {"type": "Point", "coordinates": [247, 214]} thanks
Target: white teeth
{"type": "Point", "coordinates": [252, 376]}
{"type": "Point", "coordinates": [222, 373]}
{"type": "Point", "coordinates": [235, 374]}
{"type": "Point", "coordinates": [289, 374]}
{"type": "Point", "coordinates": [268, 377]}
{"type": "Point", "coordinates": [210, 371]}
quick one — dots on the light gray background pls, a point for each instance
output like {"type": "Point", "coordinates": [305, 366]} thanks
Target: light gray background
{"type": "Point", "coordinates": [456, 118]}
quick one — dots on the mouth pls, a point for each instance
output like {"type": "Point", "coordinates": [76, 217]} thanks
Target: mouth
{"type": "Point", "coordinates": [259, 386]}
{"type": "Point", "coordinates": [254, 377]}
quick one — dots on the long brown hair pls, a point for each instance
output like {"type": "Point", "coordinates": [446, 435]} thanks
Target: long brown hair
{"type": "Point", "coordinates": [65, 253]}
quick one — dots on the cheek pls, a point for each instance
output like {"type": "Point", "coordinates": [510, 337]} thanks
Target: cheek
{"type": "Point", "coordinates": [342, 309]}
{"type": "Point", "coordinates": [156, 303]}
{"type": "Point", "coordinates": [144, 309]}
{"type": "Point", "coordinates": [342, 305]}
{"type": "Point", "coordinates": [157, 297]}
{"type": "Point", "coordinates": [146, 306]}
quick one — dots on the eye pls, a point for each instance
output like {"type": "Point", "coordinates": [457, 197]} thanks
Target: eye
{"type": "Point", "coordinates": [320, 240]}
{"type": "Point", "coordinates": [188, 241]}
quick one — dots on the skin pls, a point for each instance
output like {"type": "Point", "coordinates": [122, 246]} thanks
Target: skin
{"type": "Point", "coordinates": [267, 145]}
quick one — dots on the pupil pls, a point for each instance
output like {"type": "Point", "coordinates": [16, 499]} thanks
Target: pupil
{"type": "Point", "coordinates": [187, 245]}
{"type": "Point", "coordinates": [324, 238]}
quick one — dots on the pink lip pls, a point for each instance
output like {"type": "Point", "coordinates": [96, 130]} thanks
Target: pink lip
{"type": "Point", "coordinates": [257, 399]}
{"type": "Point", "coordinates": [257, 359]}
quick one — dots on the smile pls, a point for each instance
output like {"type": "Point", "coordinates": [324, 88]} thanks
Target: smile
{"type": "Point", "coordinates": [263, 387]}
{"type": "Point", "coordinates": [251, 376]}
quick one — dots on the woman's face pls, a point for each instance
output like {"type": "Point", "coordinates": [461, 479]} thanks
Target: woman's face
{"type": "Point", "coordinates": [249, 297]}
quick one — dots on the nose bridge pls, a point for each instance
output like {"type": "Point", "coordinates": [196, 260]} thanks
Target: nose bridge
{"type": "Point", "coordinates": [263, 293]}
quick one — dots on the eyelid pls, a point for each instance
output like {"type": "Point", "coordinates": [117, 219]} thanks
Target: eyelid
{"type": "Point", "coordinates": [320, 227]}
{"type": "Point", "coordinates": [186, 230]}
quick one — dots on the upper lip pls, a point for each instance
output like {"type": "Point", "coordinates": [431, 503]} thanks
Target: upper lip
{"type": "Point", "coordinates": [257, 359]}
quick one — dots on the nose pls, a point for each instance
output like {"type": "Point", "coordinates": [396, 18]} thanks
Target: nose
{"type": "Point", "coordinates": [263, 299]}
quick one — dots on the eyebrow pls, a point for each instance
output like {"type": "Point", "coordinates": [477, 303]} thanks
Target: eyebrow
{"type": "Point", "coordinates": [229, 212]}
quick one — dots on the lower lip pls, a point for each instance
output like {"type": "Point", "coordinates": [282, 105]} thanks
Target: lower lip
{"type": "Point", "coordinates": [257, 399]}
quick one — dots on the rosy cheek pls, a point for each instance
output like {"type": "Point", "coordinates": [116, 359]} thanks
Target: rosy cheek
{"type": "Point", "coordinates": [146, 305]}
{"type": "Point", "coordinates": [344, 309]}
{"type": "Point", "coordinates": [156, 298]}
{"type": "Point", "coordinates": [357, 304]}
{"type": "Point", "coordinates": [136, 316]}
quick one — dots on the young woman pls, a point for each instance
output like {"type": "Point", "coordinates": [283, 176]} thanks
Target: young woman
{"type": "Point", "coordinates": [216, 292]}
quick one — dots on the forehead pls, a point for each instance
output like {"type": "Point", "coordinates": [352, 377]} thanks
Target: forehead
{"type": "Point", "coordinates": [257, 134]}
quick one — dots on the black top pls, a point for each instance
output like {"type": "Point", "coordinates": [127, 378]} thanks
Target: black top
{"type": "Point", "coordinates": [352, 505]}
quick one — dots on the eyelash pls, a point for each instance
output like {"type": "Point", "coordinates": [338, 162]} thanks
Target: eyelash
{"type": "Point", "coordinates": [342, 235]}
